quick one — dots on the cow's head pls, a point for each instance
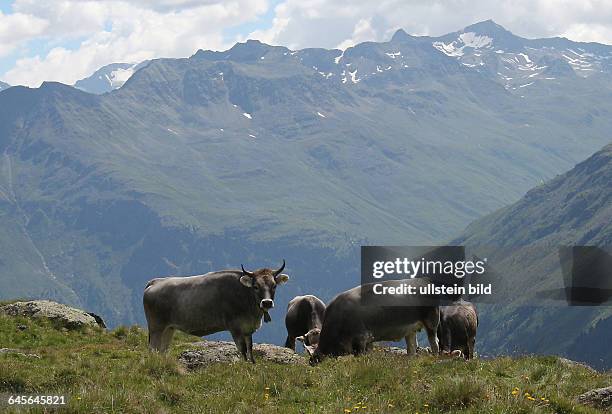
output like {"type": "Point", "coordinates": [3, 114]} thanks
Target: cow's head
{"type": "Point", "coordinates": [263, 282]}
{"type": "Point", "coordinates": [310, 338]}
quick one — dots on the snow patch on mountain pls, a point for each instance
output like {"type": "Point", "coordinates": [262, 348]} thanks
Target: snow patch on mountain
{"type": "Point", "coordinates": [118, 77]}
{"type": "Point", "coordinates": [470, 39]}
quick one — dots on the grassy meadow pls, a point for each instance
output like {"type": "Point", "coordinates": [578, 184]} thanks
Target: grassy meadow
{"type": "Point", "coordinates": [112, 372]}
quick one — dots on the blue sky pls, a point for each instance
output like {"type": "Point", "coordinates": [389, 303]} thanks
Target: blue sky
{"type": "Point", "coordinates": [66, 40]}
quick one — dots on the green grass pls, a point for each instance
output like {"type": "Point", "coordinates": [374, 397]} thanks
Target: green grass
{"type": "Point", "coordinates": [113, 372]}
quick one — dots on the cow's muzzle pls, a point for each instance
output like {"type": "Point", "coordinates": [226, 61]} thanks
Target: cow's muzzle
{"type": "Point", "coordinates": [266, 304]}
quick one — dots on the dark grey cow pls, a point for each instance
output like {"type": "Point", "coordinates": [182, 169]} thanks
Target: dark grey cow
{"type": "Point", "coordinates": [304, 320]}
{"type": "Point", "coordinates": [228, 300]}
{"type": "Point", "coordinates": [350, 326]}
{"type": "Point", "coordinates": [457, 329]}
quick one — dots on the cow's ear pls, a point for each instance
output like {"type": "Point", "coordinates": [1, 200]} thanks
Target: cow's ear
{"type": "Point", "coordinates": [247, 281]}
{"type": "Point", "coordinates": [300, 338]}
{"type": "Point", "coordinates": [282, 278]}
{"type": "Point", "coordinates": [310, 349]}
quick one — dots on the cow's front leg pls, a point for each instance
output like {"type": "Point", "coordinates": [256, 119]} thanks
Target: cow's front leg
{"type": "Point", "coordinates": [249, 346]}
{"type": "Point", "coordinates": [240, 341]}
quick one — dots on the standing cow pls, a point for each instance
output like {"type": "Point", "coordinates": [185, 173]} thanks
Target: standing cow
{"type": "Point", "coordinates": [228, 300]}
{"type": "Point", "coordinates": [304, 320]}
{"type": "Point", "coordinates": [351, 326]}
{"type": "Point", "coordinates": [457, 329]}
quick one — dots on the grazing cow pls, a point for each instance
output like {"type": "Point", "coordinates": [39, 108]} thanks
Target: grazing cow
{"type": "Point", "coordinates": [228, 300]}
{"type": "Point", "coordinates": [350, 326]}
{"type": "Point", "coordinates": [304, 320]}
{"type": "Point", "coordinates": [457, 329]}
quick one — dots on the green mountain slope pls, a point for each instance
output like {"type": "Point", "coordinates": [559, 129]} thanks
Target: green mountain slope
{"type": "Point", "coordinates": [572, 209]}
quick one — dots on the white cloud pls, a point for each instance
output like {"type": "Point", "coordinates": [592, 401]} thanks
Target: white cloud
{"type": "Point", "coordinates": [17, 28]}
{"type": "Point", "coordinates": [124, 31]}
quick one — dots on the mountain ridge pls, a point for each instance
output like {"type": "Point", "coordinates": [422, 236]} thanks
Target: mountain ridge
{"type": "Point", "coordinates": [517, 48]}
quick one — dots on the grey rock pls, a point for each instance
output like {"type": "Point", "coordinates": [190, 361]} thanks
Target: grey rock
{"type": "Point", "coordinates": [600, 398]}
{"type": "Point", "coordinates": [62, 315]}
{"type": "Point", "coordinates": [572, 364]}
{"type": "Point", "coordinates": [18, 352]}
{"type": "Point", "coordinates": [209, 352]}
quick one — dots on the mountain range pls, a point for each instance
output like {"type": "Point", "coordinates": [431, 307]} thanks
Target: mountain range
{"type": "Point", "coordinates": [260, 153]}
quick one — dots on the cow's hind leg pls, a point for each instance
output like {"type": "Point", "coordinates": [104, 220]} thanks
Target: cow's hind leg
{"type": "Point", "coordinates": [155, 339]}
{"type": "Point", "coordinates": [470, 348]}
{"type": "Point", "coordinates": [411, 343]}
{"type": "Point", "coordinates": [290, 342]}
{"type": "Point", "coordinates": [431, 327]}
{"type": "Point", "coordinates": [241, 344]}
{"type": "Point", "coordinates": [432, 337]}
{"type": "Point", "coordinates": [166, 338]}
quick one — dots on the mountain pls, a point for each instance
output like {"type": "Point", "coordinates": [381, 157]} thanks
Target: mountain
{"type": "Point", "coordinates": [4, 85]}
{"type": "Point", "coordinates": [573, 209]}
{"type": "Point", "coordinates": [108, 77]}
{"type": "Point", "coordinates": [260, 153]}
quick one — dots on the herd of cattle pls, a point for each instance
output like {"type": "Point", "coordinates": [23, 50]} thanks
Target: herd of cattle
{"type": "Point", "coordinates": [237, 300]}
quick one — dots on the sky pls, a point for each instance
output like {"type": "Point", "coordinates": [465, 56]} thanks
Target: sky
{"type": "Point", "coordinates": [67, 40]}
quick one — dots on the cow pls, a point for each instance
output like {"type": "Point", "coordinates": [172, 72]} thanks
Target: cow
{"type": "Point", "coordinates": [351, 326]}
{"type": "Point", "coordinates": [303, 320]}
{"type": "Point", "coordinates": [457, 328]}
{"type": "Point", "coordinates": [227, 300]}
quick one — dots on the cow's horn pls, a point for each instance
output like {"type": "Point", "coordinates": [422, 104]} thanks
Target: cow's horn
{"type": "Point", "coordinates": [246, 272]}
{"type": "Point", "coordinates": [276, 273]}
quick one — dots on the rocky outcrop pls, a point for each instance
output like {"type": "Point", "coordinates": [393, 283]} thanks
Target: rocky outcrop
{"type": "Point", "coordinates": [209, 352]}
{"type": "Point", "coordinates": [61, 315]}
{"type": "Point", "coordinates": [569, 363]}
{"type": "Point", "coordinates": [600, 398]}
{"type": "Point", "coordinates": [7, 351]}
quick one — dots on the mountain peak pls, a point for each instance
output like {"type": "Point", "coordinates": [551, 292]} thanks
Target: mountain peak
{"type": "Point", "coordinates": [400, 35]}
{"type": "Point", "coordinates": [487, 27]}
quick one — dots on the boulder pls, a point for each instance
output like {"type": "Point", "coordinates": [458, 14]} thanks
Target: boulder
{"type": "Point", "coordinates": [209, 352]}
{"type": "Point", "coordinates": [600, 398]}
{"type": "Point", "coordinates": [61, 315]}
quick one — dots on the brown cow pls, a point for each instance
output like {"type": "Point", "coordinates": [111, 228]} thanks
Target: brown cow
{"type": "Point", "coordinates": [228, 300]}
{"type": "Point", "coordinates": [304, 320]}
